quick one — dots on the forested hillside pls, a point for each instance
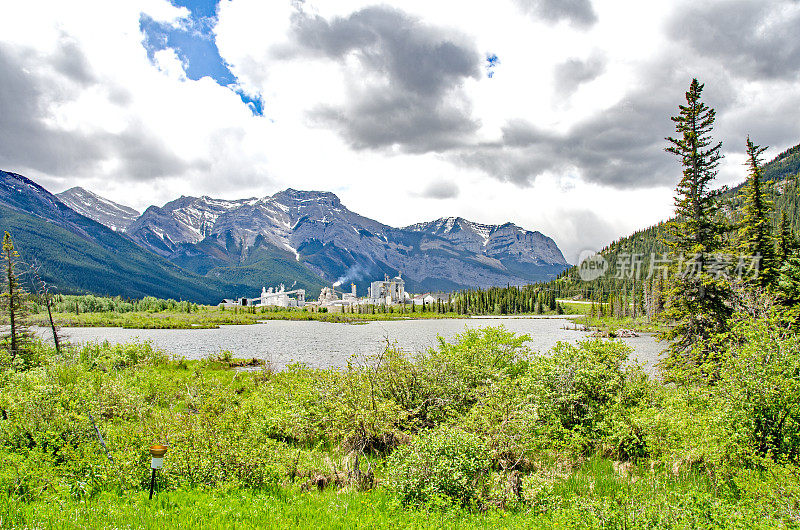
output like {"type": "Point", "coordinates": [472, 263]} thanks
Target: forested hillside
{"type": "Point", "coordinates": [625, 255]}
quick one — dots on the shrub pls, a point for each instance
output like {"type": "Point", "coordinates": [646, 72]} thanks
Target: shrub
{"type": "Point", "coordinates": [759, 390]}
{"type": "Point", "coordinates": [583, 394]}
{"type": "Point", "coordinates": [106, 356]}
{"type": "Point", "coordinates": [439, 468]}
{"type": "Point", "coordinates": [443, 383]}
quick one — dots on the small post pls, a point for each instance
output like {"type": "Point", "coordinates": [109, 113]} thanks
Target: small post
{"type": "Point", "coordinates": [157, 453]}
{"type": "Point", "coordinates": [152, 482]}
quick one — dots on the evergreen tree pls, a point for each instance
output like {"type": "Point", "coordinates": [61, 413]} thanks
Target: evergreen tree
{"type": "Point", "coordinates": [13, 303]}
{"type": "Point", "coordinates": [756, 231]}
{"type": "Point", "coordinates": [698, 301]}
{"type": "Point", "coordinates": [786, 243]}
{"type": "Point", "coordinates": [788, 288]}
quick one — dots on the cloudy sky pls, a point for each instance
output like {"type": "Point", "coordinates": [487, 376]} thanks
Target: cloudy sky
{"type": "Point", "coordinates": [548, 113]}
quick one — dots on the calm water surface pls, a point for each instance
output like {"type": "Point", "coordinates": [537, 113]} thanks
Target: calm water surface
{"type": "Point", "coordinates": [323, 344]}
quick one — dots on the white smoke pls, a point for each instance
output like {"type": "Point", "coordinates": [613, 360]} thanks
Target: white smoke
{"type": "Point", "coordinates": [355, 272]}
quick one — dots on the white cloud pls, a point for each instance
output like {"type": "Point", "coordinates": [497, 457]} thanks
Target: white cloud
{"type": "Point", "coordinates": [168, 62]}
{"type": "Point", "coordinates": [143, 133]}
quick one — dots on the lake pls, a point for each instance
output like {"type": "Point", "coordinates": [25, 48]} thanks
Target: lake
{"type": "Point", "coordinates": [323, 344]}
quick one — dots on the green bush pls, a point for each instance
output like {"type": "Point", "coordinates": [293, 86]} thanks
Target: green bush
{"type": "Point", "coordinates": [443, 383]}
{"type": "Point", "coordinates": [579, 400]}
{"type": "Point", "coordinates": [759, 390]}
{"type": "Point", "coordinates": [105, 356]}
{"type": "Point", "coordinates": [439, 468]}
{"type": "Point", "coordinates": [581, 389]}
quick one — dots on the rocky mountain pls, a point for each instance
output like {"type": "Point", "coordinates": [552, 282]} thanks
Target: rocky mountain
{"type": "Point", "coordinates": [507, 241]}
{"type": "Point", "coordinates": [201, 248]}
{"type": "Point", "coordinates": [184, 220]}
{"type": "Point", "coordinates": [106, 212]}
{"type": "Point", "coordinates": [77, 254]}
{"type": "Point", "coordinates": [313, 232]}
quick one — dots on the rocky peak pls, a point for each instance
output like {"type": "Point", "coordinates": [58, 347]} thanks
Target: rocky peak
{"type": "Point", "coordinates": [115, 216]}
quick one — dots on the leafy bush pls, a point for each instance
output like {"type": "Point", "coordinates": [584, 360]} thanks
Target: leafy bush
{"type": "Point", "coordinates": [443, 383]}
{"type": "Point", "coordinates": [106, 356]}
{"type": "Point", "coordinates": [580, 390]}
{"type": "Point", "coordinates": [759, 390]}
{"type": "Point", "coordinates": [439, 468]}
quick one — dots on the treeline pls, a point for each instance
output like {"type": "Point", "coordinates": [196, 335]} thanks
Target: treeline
{"type": "Point", "coordinates": [506, 301]}
{"type": "Point", "coordinates": [78, 304]}
{"type": "Point", "coordinates": [630, 268]}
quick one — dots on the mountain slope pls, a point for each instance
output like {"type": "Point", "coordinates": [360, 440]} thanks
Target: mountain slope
{"type": "Point", "coordinates": [335, 244]}
{"type": "Point", "coordinates": [783, 174]}
{"type": "Point", "coordinates": [204, 249]}
{"type": "Point", "coordinates": [77, 254]}
{"type": "Point", "coordinates": [106, 212]}
{"type": "Point", "coordinates": [507, 241]}
{"type": "Point", "coordinates": [184, 220]}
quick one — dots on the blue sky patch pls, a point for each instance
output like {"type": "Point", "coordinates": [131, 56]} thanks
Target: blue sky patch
{"type": "Point", "coordinates": [492, 60]}
{"type": "Point", "coordinates": [194, 44]}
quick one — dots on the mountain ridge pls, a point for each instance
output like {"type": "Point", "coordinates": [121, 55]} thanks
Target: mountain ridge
{"type": "Point", "coordinates": [105, 211]}
{"type": "Point", "coordinates": [308, 237]}
{"type": "Point", "coordinates": [333, 241]}
{"type": "Point", "coordinates": [77, 254]}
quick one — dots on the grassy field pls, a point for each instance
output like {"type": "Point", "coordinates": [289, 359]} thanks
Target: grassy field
{"type": "Point", "coordinates": [592, 497]}
{"type": "Point", "coordinates": [211, 317]}
{"type": "Point", "coordinates": [608, 324]}
{"type": "Point", "coordinates": [479, 432]}
{"type": "Point", "coordinates": [612, 325]}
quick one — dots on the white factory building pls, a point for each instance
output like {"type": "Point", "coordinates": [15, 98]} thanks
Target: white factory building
{"type": "Point", "coordinates": [328, 297]}
{"type": "Point", "coordinates": [388, 291]}
{"type": "Point", "coordinates": [279, 297]}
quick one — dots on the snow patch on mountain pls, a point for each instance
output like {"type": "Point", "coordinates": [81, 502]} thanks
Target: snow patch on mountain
{"type": "Point", "coordinates": [115, 216]}
{"type": "Point", "coordinates": [320, 232]}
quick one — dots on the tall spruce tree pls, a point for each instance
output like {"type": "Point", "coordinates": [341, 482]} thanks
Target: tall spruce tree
{"type": "Point", "coordinates": [13, 304]}
{"type": "Point", "coordinates": [756, 230]}
{"type": "Point", "coordinates": [786, 243]}
{"type": "Point", "coordinates": [697, 299]}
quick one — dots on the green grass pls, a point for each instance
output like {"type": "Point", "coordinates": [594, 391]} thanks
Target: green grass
{"type": "Point", "coordinates": [613, 324]}
{"type": "Point", "coordinates": [238, 509]}
{"type": "Point", "coordinates": [593, 496]}
{"type": "Point", "coordinates": [210, 317]}
{"type": "Point", "coordinates": [213, 317]}
{"type": "Point", "coordinates": [575, 438]}
{"type": "Point", "coordinates": [575, 308]}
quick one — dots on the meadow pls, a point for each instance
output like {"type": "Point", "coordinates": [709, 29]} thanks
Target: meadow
{"type": "Point", "coordinates": [478, 432]}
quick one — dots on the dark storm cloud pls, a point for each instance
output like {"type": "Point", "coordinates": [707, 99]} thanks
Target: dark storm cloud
{"type": "Point", "coordinates": [754, 39]}
{"type": "Point", "coordinates": [570, 74]}
{"type": "Point", "coordinates": [440, 189]}
{"type": "Point", "coordinates": [621, 146]}
{"type": "Point", "coordinates": [408, 90]}
{"type": "Point", "coordinates": [577, 12]}
{"type": "Point", "coordinates": [29, 142]}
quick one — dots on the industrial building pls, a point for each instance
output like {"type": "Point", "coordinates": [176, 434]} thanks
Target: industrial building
{"type": "Point", "coordinates": [271, 297]}
{"type": "Point", "coordinates": [388, 291]}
